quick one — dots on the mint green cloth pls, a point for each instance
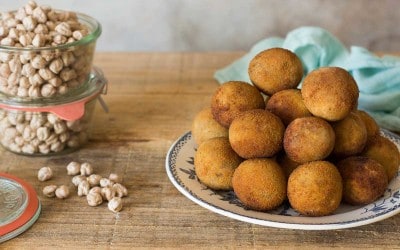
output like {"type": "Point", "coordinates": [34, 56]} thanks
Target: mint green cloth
{"type": "Point", "coordinates": [378, 78]}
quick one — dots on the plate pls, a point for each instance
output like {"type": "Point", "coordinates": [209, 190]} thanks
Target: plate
{"type": "Point", "coordinates": [180, 170]}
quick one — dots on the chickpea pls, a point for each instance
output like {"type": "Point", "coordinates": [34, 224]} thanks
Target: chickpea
{"type": "Point", "coordinates": [115, 204]}
{"type": "Point", "coordinates": [107, 193]}
{"type": "Point", "coordinates": [62, 192]}
{"type": "Point", "coordinates": [95, 190]}
{"type": "Point", "coordinates": [86, 169]}
{"type": "Point", "coordinates": [120, 190]}
{"type": "Point", "coordinates": [73, 168]}
{"type": "Point", "coordinates": [114, 177]}
{"type": "Point", "coordinates": [49, 191]}
{"type": "Point", "coordinates": [105, 182]}
{"type": "Point", "coordinates": [44, 174]}
{"type": "Point", "coordinates": [94, 199]}
{"type": "Point", "coordinates": [83, 188]}
{"type": "Point", "coordinates": [94, 179]}
{"type": "Point", "coordinates": [78, 179]}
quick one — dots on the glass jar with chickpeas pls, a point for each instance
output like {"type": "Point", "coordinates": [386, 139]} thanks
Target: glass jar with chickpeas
{"type": "Point", "coordinates": [48, 85]}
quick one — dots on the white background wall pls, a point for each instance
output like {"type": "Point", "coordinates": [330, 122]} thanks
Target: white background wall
{"type": "Point", "coordinates": [201, 25]}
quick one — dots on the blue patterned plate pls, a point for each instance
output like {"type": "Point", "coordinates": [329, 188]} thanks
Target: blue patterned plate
{"type": "Point", "coordinates": [180, 170]}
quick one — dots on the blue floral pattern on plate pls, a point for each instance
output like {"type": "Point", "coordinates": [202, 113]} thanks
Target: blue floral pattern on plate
{"type": "Point", "coordinates": [180, 170]}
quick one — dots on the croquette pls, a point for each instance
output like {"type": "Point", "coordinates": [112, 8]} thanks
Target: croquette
{"type": "Point", "coordinates": [215, 163]}
{"type": "Point", "coordinates": [315, 188]}
{"type": "Point", "coordinates": [260, 184]}
{"type": "Point", "coordinates": [232, 98]}
{"type": "Point", "coordinates": [364, 180]}
{"type": "Point", "coordinates": [370, 124]}
{"type": "Point", "coordinates": [385, 152]}
{"type": "Point", "coordinates": [288, 105]}
{"type": "Point", "coordinates": [204, 127]}
{"type": "Point", "coordinates": [308, 139]}
{"type": "Point", "coordinates": [256, 133]}
{"type": "Point", "coordinates": [275, 69]}
{"type": "Point", "coordinates": [350, 136]}
{"type": "Point", "coordinates": [330, 93]}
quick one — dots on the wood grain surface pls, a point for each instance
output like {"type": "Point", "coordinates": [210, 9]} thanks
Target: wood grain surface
{"type": "Point", "coordinates": [152, 99]}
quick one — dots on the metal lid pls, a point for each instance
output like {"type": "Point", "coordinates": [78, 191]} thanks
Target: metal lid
{"type": "Point", "coordinates": [19, 206]}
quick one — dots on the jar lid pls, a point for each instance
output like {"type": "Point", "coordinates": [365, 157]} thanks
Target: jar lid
{"type": "Point", "coordinates": [19, 206]}
{"type": "Point", "coordinates": [69, 107]}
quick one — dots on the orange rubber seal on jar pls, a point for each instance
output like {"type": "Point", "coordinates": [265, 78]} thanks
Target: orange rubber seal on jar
{"type": "Point", "coordinates": [69, 111]}
{"type": "Point", "coordinates": [72, 109]}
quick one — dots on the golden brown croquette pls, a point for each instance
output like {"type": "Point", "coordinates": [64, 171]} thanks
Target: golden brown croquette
{"type": "Point", "coordinates": [315, 188]}
{"type": "Point", "coordinates": [351, 136]}
{"type": "Point", "coordinates": [275, 69]}
{"type": "Point", "coordinates": [385, 152]}
{"type": "Point", "coordinates": [204, 127]}
{"type": "Point", "coordinates": [370, 124]}
{"type": "Point", "coordinates": [215, 162]}
{"type": "Point", "coordinates": [232, 98]}
{"type": "Point", "coordinates": [256, 133]}
{"type": "Point", "coordinates": [288, 105]}
{"type": "Point", "coordinates": [308, 139]}
{"type": "Point", "coordinates": [330, 93]}
{"type": "Point", "coordinates": [260, 184]}
{"type": "Point", "coordinates": [364, 180]}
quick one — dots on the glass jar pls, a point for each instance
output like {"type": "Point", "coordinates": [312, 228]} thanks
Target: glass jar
{"type": "Point", "coordinates": [48, 71]}
{"type": "Point", "coordinates": [53, 125]}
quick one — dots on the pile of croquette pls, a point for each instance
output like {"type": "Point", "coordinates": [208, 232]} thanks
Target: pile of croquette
{"type": "Point", "coordinates": [270, 141]}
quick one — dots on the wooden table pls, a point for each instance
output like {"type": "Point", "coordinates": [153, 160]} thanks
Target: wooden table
{"type": "Point", "coordinates": [153, 98]}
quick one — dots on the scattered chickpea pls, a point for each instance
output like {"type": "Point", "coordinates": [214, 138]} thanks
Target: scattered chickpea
{"type": "Point", "coordinates": [86, 169]}
{"type": "Point", "coordinates": [115, 204]}
{"type": "Point", "coordinates": [49, 191]}
{"type": "Point", "coordinates": [94, 199]}
{"type": "Point", "coordinates": [83, 188]}
{"type": "Point", "coordinates": [105, 182]}
{"type": "Point", "coordinates": [120, 190]}
{"type": "Point", "coordinates": [94, 179]}
{"type": "Point", "coordinates": [114, 177]}
{"type": "Point", "coordinates": [107, 193]}
{"type": "Point", "coordinates": [45, 173]}
{"type": "Point", "coordinates": [78, 179]}
{"type": "Point", "coordinates": [93, 186]}
{"type": "Point", "coordinates": [95, 190]}
{"type": "Point", "coordinates": [62, 192]}
{"type": "Point", "coordinates": [73, 168]}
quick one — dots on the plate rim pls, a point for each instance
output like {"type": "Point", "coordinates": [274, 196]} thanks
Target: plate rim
{"type": "Point", "coordinates": [263, 222]}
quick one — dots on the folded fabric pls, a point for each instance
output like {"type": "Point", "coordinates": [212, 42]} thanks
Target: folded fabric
{"type": "Point", "coordinates": [378, 78]}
